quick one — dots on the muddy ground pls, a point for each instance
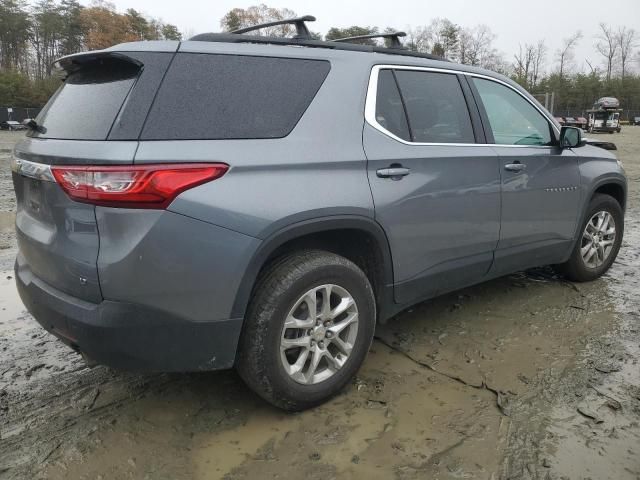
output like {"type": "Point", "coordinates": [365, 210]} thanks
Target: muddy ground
{"type": "Point", "coordinates": [525, 377]}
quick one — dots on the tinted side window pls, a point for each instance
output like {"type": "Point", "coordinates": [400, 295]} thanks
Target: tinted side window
{"type": "Point", "coordinates": [88, 101]}
{"type": "Point", "coordinates": [390, 112]}
{"type": "Point", "coordinates": [514, 121]}
{"type": "Point", "coordinates": [436, 107]}
{"type": "Point", "coordinates": [210, 97]}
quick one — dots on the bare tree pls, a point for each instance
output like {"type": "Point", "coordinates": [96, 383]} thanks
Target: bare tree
{"type": "Point", "coordinates": [445, 36]}
{"type": "Point", "coordinates": [241, 18]}
{"type": "Point", "coordinates": [419, 39]}
{"type": "Point", "coordinates": [626, 39]}
{"type": "Point", "coordinates": [476, 46]}
{"type": "Point", "coordinates": [564, 55]}
{"type": "Point", "coordinates": [594, 70]}
{"type": "Point", "coordinates": [524, 65]}
{"type": "Point", "coordinates": [607, 46]}
{"type": "Point", "coordinates": [538, 62]}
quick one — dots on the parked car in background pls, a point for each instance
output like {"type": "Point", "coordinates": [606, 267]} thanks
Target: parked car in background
{"type": "Point", "coordinates": [636, 121]}
{"type": "Point", "coordinates": [560, 120]}
{"type": "Point", "coordinates": [12, 125]}
{"type": "Point", "coordinates": [267, 218]}
{"type": "Point", "coordinates": [582, 122]}
{"type": "Point", "coordinates": [570, 122]}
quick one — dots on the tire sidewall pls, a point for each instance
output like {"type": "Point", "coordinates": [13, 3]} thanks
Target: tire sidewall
{"type": "Point", "coordinates": [363, 296]}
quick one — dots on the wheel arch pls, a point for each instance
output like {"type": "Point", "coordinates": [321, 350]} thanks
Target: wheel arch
{"type": "Point", "coordinates": [612, 187]}
{"type": "Point", "coordinates": [313, 233]}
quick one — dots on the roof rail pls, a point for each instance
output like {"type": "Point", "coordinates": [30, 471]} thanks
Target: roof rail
{"type": "Point", "coordinates": [302, 32]}
{"type": "Point", "coordinates": [393, 36]}
{"type": "Point", "coordinates": [353, 47]}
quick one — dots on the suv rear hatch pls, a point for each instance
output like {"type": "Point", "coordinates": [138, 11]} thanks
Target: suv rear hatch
{"type": "Point", "coordinates": [57, 237]}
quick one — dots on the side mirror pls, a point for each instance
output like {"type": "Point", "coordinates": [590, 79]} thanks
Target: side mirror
{"type": "Point", "coordinates": [571, 137]}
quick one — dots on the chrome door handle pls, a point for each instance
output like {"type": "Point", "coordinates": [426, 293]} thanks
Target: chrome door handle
{"type": "Point", "coordinates": [515, 167]}
{"type": "Point", "coordinates": [394, 173]}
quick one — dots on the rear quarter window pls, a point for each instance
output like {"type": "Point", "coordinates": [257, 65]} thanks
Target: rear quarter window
{"type": "Point", "coordinates": [212, 96]}
{"type": "Point", "coordinates": [87, 103]}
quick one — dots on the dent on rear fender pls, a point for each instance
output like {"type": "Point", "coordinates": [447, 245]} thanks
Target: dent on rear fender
{"type": "Point", "coordinates": [185, 267]}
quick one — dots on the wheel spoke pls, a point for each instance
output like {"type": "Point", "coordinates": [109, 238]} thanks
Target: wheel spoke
{"type": "Point", "coordinates": [301, 360]}
{"type": "Point", "coordinates": [584, 250]}
{"type": "Point", "coordinates": [342, 345]}
{"type": "Point", "coordinates": [343, 306]}
{"type": "Point", "coordinates": [288, 343]}
{"type": "Point", "coordinates": [334, 363]}
{"type": "Point", "coordinates": [340, 326]}
{"type": "Point", "coordinates": [315, 361]}
{"type": "Point", "coordinates": [325, 313]}
{"type": "Point", "coordinates": [296, 323]}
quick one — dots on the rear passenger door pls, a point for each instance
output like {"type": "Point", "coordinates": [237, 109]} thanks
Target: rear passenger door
{"type": "Point", "coordinates": [436, 188]}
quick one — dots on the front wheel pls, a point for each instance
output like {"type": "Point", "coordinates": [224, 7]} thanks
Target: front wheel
{"type": "Point", "coordinates": [599, 242]}
{"type": "Point", "coordinates": [308, 329]}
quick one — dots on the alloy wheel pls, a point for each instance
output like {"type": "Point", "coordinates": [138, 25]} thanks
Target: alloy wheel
{"type": "Point", "coordinates": [598, 239]}
{"type": "Point", "coordinates": [319, 334]}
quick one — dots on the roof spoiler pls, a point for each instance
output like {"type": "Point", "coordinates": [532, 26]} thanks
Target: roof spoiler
{"type": "Point", "coordinates": [71, 63]}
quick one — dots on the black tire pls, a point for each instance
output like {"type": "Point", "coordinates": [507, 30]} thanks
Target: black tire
{"type": "Point", "coordinates": [284, 282]}
{"type": "Point", "coordinates": [575, 269]}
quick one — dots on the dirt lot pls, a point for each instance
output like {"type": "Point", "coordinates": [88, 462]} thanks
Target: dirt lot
{"type": "Point", "coordinates": [525, 377]}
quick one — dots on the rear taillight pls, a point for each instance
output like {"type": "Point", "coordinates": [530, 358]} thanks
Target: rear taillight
{"type": "Point", "coordinates": [134, 186]}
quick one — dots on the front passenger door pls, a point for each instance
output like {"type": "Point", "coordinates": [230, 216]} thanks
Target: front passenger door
{"type": "Point", "coordinates": [540, 182]}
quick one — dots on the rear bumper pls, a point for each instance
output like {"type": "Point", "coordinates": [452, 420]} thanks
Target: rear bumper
{"type": "Point", "coordinates": [128, 336]}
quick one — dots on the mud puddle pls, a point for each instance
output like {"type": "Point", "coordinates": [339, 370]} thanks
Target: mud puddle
{"type": "Point", "coordinates": [525, 377]}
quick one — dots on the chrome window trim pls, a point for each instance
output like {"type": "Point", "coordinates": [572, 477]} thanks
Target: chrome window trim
{"type": "Point", "coordinates": [26, 168]}
{"type": "Point", "coordinates": [372, 94]}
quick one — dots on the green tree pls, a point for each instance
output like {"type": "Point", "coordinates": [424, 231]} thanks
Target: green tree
{"type": "Point", "coordinates": [171, 32]}
{"type": "Point", "coordinates": [46, 35]}
{"type": "Point", "coordinates": [15, 26]}
{"type": "Point", "coordinates": [72, 34]}
{"type": "Point", "coordinates": [138, 25]}
{"type": "Point", "coordinates": [353, 31]}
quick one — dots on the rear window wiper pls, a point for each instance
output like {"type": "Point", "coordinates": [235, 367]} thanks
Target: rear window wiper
{"type": "Point", "coordinates": [35, 126]}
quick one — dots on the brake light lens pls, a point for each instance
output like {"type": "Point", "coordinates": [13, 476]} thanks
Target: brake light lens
{"type": "Point", "coordinates": [134, 186]}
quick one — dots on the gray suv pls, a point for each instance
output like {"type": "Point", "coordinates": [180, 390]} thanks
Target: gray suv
{"type": "Point", "coordinates": [261, 203]}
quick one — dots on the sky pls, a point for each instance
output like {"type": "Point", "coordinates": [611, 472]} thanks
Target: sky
{"type": "Point", "coordinates": [513, 21]}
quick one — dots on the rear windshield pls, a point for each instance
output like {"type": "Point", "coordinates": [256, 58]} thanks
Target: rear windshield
{"type": "Point", "coordinates": [87, 103]}
{"type": "Point", "coordinates": [211, 97]}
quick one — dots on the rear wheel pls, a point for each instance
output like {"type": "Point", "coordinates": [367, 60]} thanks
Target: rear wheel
{"type": "Point", "coordinates": [308, 329]}
{"type": "Point", "coordinates": [599, 242]}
